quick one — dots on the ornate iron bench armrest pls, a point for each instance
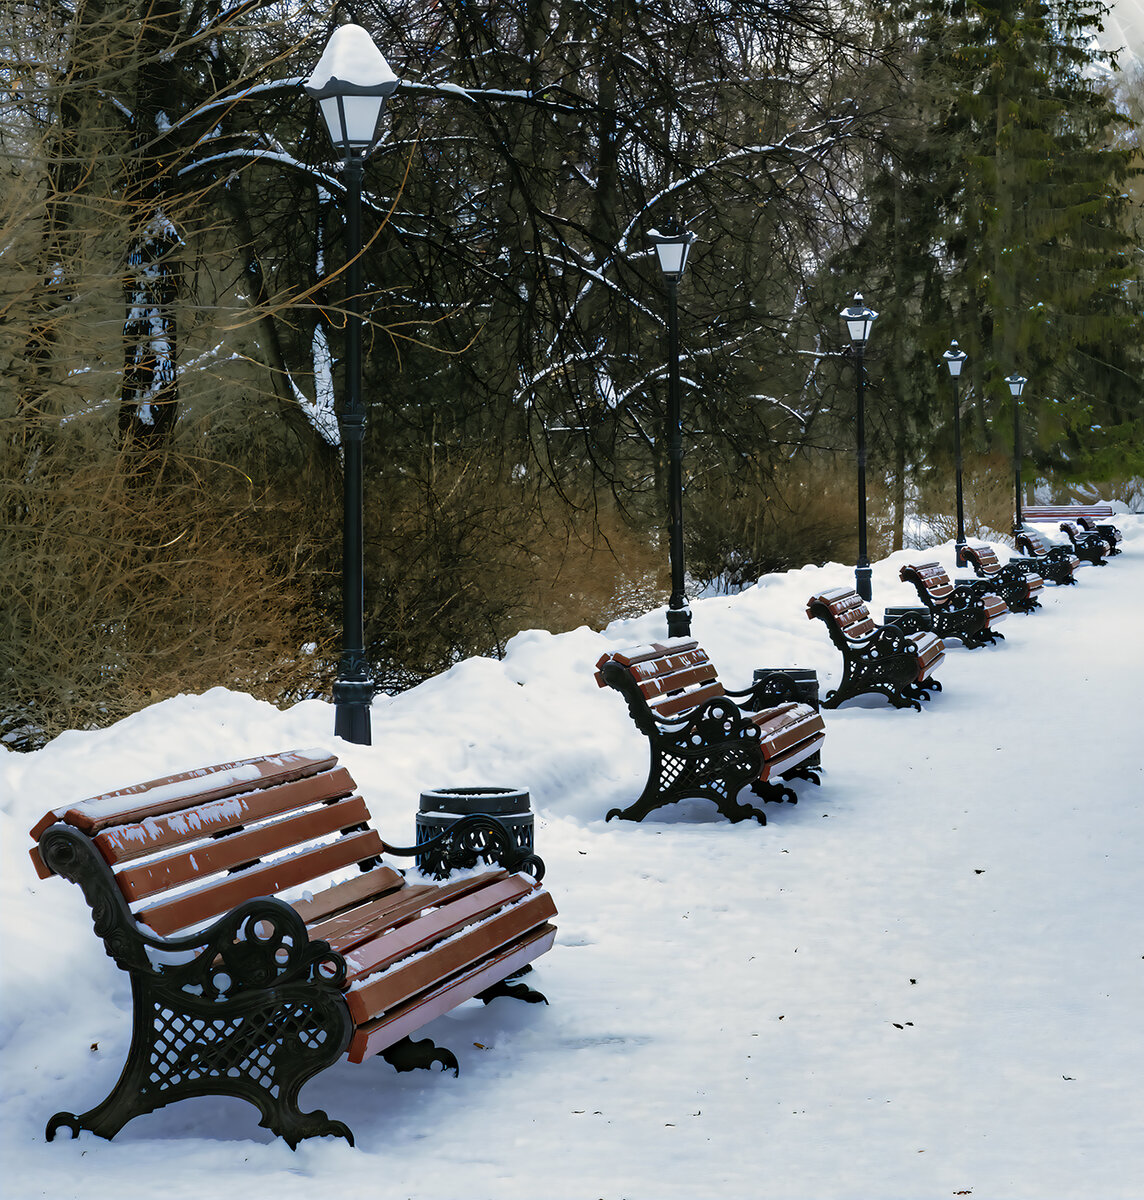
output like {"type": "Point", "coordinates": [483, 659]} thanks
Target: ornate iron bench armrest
{"type": "Point", "coordinates": [470, 839]}
{"type": "Point", "coordinates": [886, 639]}
{"type": "Point", "coordinates": [776, 689]}
{"type": "Point", "coordinates": [260, 943]}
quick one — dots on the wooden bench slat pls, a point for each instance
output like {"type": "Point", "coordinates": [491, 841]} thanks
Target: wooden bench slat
{"type": "Point", "coordinates": [675, 681]}
{"type": "Point", "coordinates": [159, 796]}
{"type": "Point", "coordinates": [457, 911]}
{"type": "Point", "coordinates": [350, 929]}
{"type": "Point", "coordinates": [122, 843]}
{"type": "Point", "coordinates": [375, 1036]}
{"type": "Point", "coordinates": [668, 707]}
{"type": "Point", "coordinates": [212, 901]}
{"type": "Point", "coordinates": [361, 888]}
{"type": "Point", "coordinates": [405, 980]}
{"type": "Point", "coordinates": [639, 654]}
{"type": "Point", "coordinates": [223, 854]}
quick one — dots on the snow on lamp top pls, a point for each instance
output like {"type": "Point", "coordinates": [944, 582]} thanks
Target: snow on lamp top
{"type": "Point", "coordinates": [859, 320]}
{"type": "Point", "coordinates": [954, 359]}
{"type": "Point", "coordinates": [351, 83]}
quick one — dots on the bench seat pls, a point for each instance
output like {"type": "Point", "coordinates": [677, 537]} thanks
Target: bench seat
{"type": "Point", "coordinates": [706, 741]}
{"type": "Point", "coordinates": [235, 891]}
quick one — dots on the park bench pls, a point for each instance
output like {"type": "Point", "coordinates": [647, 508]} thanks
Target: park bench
{"type": "Point", "coordinates": [1015, 583]}
{"type": "Point", "coordinates": [1095, 518]}
{"type": "Point", "coordinates": [1087, 545]}
{"type": "Point", "coordinates": [884, 659]}
{"type": "Point", "coordinates": [706, 741]}
{"type": "Point", "coordinates": [956, 611]}
{"type": "Point", "coordinates": [1054, 562]}
{"type": "Point", "coordinates": [265, 938]}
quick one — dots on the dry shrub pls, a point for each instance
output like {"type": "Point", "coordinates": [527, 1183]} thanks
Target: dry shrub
{"type": "Point", "coordinates": [753, 519]}
{"type": "Point", "coordinates": [463, 552]}
{"type": "Point", "coordinates": [123, 583]}
{"type": "Point", "coordinates": [987, 502]}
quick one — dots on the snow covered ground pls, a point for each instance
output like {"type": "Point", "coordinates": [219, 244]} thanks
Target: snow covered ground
{"type": "Point", "coordinates": [926, 979]}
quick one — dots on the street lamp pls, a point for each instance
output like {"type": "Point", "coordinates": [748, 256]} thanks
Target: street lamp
{"type": "Point", "coordinates": [351, 83]}
{"type": "Point", "coordinates": [859, 322]}
{"type": "Point", "coordinates": [1016, 387]}
{"type": "Point", "coordinates": [955, 360]}
{"type": "Point", "coordinates": [672, 244]}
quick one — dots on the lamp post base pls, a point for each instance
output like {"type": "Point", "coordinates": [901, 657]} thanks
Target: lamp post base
{"type": "Point", "coordinates": [679, 622]}
{"type": "Point", "coordinates": [352, 699]}
{"type": "Point", "coordinates": [862, 581]}
{"type": "Point", "coordinates": [959, 553]}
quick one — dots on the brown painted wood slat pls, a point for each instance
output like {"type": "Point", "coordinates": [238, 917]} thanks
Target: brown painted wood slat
{"type": "Point", "coordinates": [204, 904]}
{"type": "Point", "coordinates": [235, 849]}
{"type": "Point", "coordinates": [97, 813]}
{"type": "Point", "coordinates": [667, 707]}
{"type": "Point", "coordinates": [629, 658]}
{"type": "Point", "coordinates": [406, 980]}
{"type": "Point", "coordinates": [122, 843]}
{"type": "Point", "coordinates": [350, 929]}
{"type": "Point", "coordinates": [676, 681]}
{"type": "Point", "coordinates": [995, 608]}
{"type": "Point", "coordinates": [370, 884]}
{"type": "Point", "coordinates": [375, 1036]}
{"type": "Point", "coordinates": [789, 758]}
{"type": "Point", "coordinates": [788, 727]}
{"type": "Point", "coordinates": [394, 944]}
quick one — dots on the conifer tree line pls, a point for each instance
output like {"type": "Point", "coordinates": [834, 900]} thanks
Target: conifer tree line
{"type": "Point", "coordinates": [172, 294]}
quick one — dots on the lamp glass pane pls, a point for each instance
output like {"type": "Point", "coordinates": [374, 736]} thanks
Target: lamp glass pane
{"type": "Point", "coordinates": [362, 113]}
{"type": "Point", "coordinates": [672, 256]}
{"type": "Point", "coordinates": [859, 329]}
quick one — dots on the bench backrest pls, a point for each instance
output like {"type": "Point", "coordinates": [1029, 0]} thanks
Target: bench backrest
{"type": "Point", "coordinates": [673, 678]}
{"type": "Point", "coordinates": [1034, 542]}
{"type": "Point", "coordinates": [186, 849]}
{"type": "Point", "coordinates": [931, 578]}
{"type": "Point", "coordinates": [1074, 531]}
{"type": "Point", "coordinates": [1066, 512]}
{"type": "Point", "coordinates": [984, 559]}
{"type": "Point", "coordinates": [845, 611]}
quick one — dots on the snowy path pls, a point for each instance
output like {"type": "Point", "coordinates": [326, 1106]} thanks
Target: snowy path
{"type": "Point", "coordinates": [924, 980]}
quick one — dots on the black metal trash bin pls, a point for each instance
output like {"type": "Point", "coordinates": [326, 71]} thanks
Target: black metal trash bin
{"type": "Point", "coordinates": [803, 683]}
{"type": "Point", "coordinates": [909, 619]}
{"type": "Point", "coordinates": [440, 808]}
{"type": "Point", "coordinates": [794, 683]}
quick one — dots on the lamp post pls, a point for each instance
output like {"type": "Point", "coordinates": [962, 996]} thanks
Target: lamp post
{"type": "Point", "coordinates": [672, 244]}
{"type": "Point", "coordinates": [955, 360]}
{"type": "Point", "coordinates": [859, 322]}
{"type": "Point", "coordinates": [351, 83]}
{"type": "Point", "coordinates": [1016, 387]}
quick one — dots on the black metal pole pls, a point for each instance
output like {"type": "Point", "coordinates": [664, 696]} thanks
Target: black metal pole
{"type": "Point", "coordinates": [353, 689]}
{"type": "Point", "coordinates": [959, 544]}
{"type": "Point", "coordinates": [678, 613]}
{"type": "Point", "coordinates": [862, 569]}
{"type": "Point", "coordinates": [1018, 517]}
